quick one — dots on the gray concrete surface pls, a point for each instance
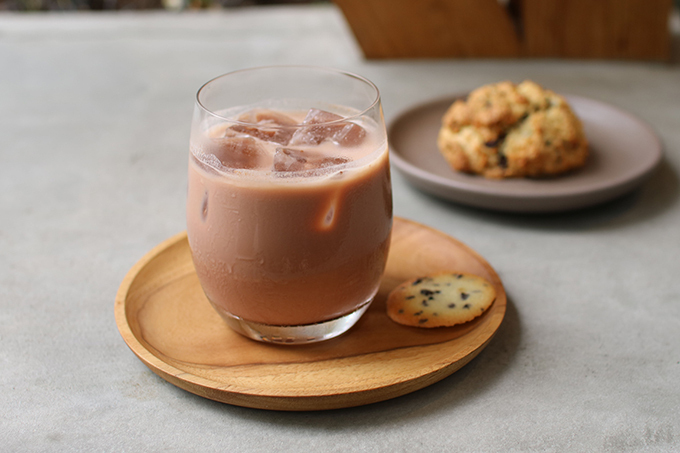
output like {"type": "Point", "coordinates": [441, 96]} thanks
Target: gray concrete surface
{"type": "Point", "coordinates": [94, 124]}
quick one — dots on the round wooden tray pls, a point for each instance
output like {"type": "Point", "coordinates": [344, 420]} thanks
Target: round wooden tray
{"type": "Point", "coordinates": [164, 317]}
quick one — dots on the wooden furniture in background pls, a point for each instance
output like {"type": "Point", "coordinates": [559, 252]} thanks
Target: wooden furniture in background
{"type": "Point", "coordinates": [636, 29]}
{"type": "Point", "coordinates": [431, 28]}
{"type": "Point", "coordinates": [617, 29]}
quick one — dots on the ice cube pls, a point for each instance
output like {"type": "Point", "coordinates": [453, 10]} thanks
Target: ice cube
{"type": "Point", "coordinates": [266, 125]}
{"type": "Point", "coordinates": [350, 135]}
{"type": "Point", "coordinates": [221, 131]}
{"type": "Point", "coordinates": [291, 160]}
{"type": "Point", "coordinates": [263, 116]}
{"type": "Point", "coordinates": [238, 152]}
{"type": "Point", "coordinates": [313, 135]}
{"type": "Point", "coordinates": [324, 161]}
{"type": "Point", "coordinates": [317, 116]}
{"type": "Point", "coordinates": [343, 133]}
{"type": "Point", "coordinates": [204, 207]}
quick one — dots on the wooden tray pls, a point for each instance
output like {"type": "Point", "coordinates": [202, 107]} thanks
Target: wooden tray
{"type": "Point", "coordinates": [168, 323]}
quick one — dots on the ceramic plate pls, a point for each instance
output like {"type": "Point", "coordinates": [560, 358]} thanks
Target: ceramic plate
{"type": "Point", "coordinates": [624, 152]}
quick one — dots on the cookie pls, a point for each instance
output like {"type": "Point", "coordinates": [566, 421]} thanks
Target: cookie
{"type": "Point", "coordinates": [439, 300]}
{"type": "Point", "coordinates": [505, 130]}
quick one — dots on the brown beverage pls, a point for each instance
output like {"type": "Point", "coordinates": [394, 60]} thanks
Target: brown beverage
{"type": "Point", "coordinates": [289, 214]}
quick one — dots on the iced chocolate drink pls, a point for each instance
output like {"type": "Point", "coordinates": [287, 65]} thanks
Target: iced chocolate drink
{"type": "Point", "coordinates": [289, 207]}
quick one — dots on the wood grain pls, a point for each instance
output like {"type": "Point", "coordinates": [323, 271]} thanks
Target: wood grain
{"type": "Point", "coordinates": [621, 29]}
{"type": "Point", "coordinates": [168, 323]}
{"type": "Point", "coordinates": [431, 28]}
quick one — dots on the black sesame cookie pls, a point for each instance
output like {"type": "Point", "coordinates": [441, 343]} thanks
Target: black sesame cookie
{"type": "Point", "coordinates": [439, 300]}
{"type": "Point", "coordinates": [505, 130]}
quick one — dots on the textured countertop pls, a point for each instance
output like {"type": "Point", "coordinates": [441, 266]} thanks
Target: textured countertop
{"type": "Point", "coordinates": [94, 124]}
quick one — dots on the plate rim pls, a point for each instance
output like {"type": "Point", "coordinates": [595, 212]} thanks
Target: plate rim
{"type": "Point", "coordinates": [411, 171]}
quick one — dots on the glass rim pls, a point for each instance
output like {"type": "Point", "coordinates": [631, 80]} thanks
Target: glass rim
{"type": "Point", "coordinates": [329, 70]}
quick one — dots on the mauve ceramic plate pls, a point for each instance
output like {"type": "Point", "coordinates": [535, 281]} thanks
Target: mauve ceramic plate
{"type": "Point", "coordinates": [624, 151]}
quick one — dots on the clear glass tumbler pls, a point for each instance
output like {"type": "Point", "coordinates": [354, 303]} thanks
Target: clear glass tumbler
{"type": "Point", "coordinates": [289, 207]}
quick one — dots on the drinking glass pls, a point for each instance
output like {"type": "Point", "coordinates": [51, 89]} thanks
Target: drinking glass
{"type": "Point", "coordinates": [289, 207]}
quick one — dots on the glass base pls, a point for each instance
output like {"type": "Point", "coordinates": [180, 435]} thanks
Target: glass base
{"type": "Point", "coordinates": [310, 333]}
